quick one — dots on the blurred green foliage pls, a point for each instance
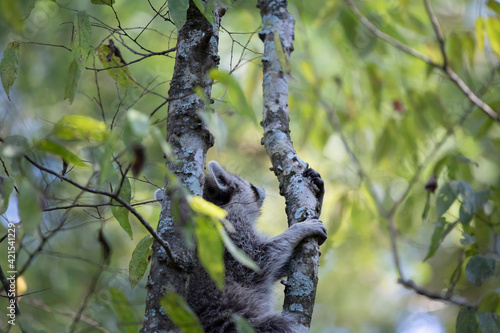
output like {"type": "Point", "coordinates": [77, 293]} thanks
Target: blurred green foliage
{"type": "Point", "coordinates": [400, 117]}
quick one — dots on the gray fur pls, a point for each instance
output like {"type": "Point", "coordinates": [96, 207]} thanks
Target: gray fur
{"type": "Point", "coordinates": [246, 293]}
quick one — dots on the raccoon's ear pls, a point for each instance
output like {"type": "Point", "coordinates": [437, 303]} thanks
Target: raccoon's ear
{"type": "Point", "coordinates": [217, 175]}
{"type": "Point", "coordinates": [216, 188]}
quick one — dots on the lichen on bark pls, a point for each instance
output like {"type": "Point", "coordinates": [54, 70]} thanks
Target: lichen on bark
{"type": "Point", "coordinates": [301, 203]}
{"type": "Point", "coordinates": [189, 137]}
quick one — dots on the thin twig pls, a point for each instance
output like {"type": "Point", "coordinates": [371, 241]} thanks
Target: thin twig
{"type": "Point", "coordinates": [114, 196]}
{"type": "Point", "coordinates": [445, 68]}
{"type": "Point", "coordinates": [97, 205]}
{"type": "Point", "coordinates": [89, 321]}
{"type": "Point", "coordinates": [437, 31]}
{"type": "Point", "coordinates": [133, 61]}
{"type": "Point", "coordinates": [46, 44]}
{"type": "Point", "coordinates": [396, 43]}
{"type": "Point", "coordinates": [457, 300]}
{"type": "Point", "coordinates": [91, 290]}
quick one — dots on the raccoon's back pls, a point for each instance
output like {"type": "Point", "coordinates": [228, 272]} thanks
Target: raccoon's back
{"type": "Point", "coordinates": [255, 307]}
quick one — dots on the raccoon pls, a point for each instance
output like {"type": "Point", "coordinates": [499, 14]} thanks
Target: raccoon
{"type": "Point", "coordinates": [247, 293]}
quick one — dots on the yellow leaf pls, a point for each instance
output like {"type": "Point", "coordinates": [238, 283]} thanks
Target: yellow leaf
{"type": "Point", "coordinates": [480, 33]}
{"type": "Point", "coordinates": [119, 70]}
{"type": "Point", "coordinates": [282, 56]}
{"type": "Point", "coordinates": [57, 149]}
{"type": "Point", "coordinates": [493, 31]}
{"type": "Point", "coordinates": [79, 127]}
{"type": "Point", "coordinates": [22, 286]}
{"type": "Point", "coordinates": [200, 205]}
{"type": "Point", "coordinates": [210, 250]}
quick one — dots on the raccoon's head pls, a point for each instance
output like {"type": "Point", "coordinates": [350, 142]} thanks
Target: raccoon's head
{"type": "Point", "coordinates": [231, 192]}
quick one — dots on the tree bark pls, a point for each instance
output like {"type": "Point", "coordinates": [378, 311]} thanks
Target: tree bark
{"type": "Point", "coordinates": [197, 52]}
{"type": "Point", "coordinates": [301, 202]}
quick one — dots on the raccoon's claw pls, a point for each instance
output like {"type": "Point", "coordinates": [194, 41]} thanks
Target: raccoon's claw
{"type": "Point", "coordinates": [318, 182]}
{"type": "Point", "coordinates": [318, 229]}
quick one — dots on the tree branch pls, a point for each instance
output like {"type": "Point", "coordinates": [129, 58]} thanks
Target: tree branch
{"type": "Point", "coordinates": [189, 138]}
{"type": "Point", "coordinates": [437, 31]}
{"type": "Point", "coordinates": [301, 203]}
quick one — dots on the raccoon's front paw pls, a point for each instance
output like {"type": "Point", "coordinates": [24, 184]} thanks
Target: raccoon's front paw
{"type": "Point", "coordinates": [315, 228]}
{"type": "Point", "coordinates": [315, 178]}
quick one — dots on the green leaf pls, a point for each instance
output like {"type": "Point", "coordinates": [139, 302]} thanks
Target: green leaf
{"type": "Point", "coordinates": [375, 79]}
{"type": "Point", "coordinates": [210, 249]}
{"type": "Point", "coordinates": [138, 122]}
{"type": "Point", "coordinates": [454, 50]}
{"type": "Point", "coordinates": [181, 314]}
{"type": "Point", "coordinates": [468, 239]}
{"type": "Point", "coordinates": [468, 44]}
{"type": "Point", "coordinates": [440, 164]}
{"type": "Point", "coordinates": [120, 71]}
{"type": "Point", "coordinates": [446, 197]}
{"type": "Point", "coordinates": [9, 66]}
{"type": "Point", "coordinates": [102, 2]}
{"type": "Point", "coordinates": [72, 81]}
{"type": "Point", "coordinates": [16, 13]}
{"type": "Point", "coordinates": [467, 195]}
{"type": "Point", "coordinates": [488, 322]}
{"type": "Point", "coordinates": [490, 303]}
{"type": "Point", "coordinates": [440, 232]}
{"type": "Point", "coordinates": [282, 56]}
{"type": "Point", "coordinates": [471, 204]}
{"type": "Point", "coordinates": [57, 149]}
{"type": "Point", "coordinates": [480, 199]}
{"type": "Point", "coordinates": [479, 269]}
{"type": "Point", "coordinates": [466, 321]}
{"type": "Point", "coordinates": [494, 6]}
{"type": "Point", "coordinates": [121, 213]}
{"type": "Point", "coordinates": [493, 31]}
{"type": "Point", "coordinates": [235, 93]}
{"type": "Point", "coordinates": [106, 171]}
{"type": "Point", "coordinates": [7, 185]}
{"type": "Point", "coordinates": [242, 325]}
{"type": "Point", "coordinates": [178, 11]}
{"type": "Point", "coordinates": [80, 44]}
{"type": "Point", "coordinates": [386, 141]}
{"type": "Point", "coordinates": [29, 207]}
{"type": "Point", "coordinates": [464, 216]}
{"type": "Point", "coordinates": [141, 257]}
{"type": "Point", "coordinates": [123, 310]}
{"type": "Point", "coordinates": [205, 10]}
{"type": "Point", "coordinates": [236, 252]}
{"type": "Point", "coordinates": [79, 127]}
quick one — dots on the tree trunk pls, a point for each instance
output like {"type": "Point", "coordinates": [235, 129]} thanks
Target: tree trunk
{"type": "Point", "coordinates": [197, 52]}
{"type": "Point", "coordinates": [301, 203]}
